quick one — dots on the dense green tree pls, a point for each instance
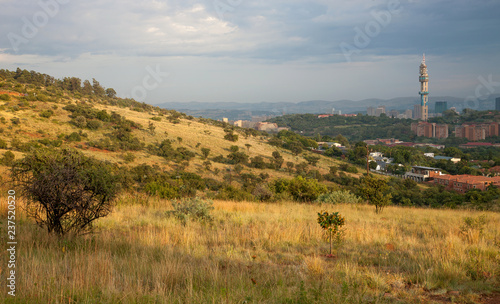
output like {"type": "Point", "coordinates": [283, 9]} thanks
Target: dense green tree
{"type": "Point", "coordinates": [87, 88]}
{"type": "Point", "coordinates": [110, 92]}
{"type": "Point", "coordinates": [258, 162]}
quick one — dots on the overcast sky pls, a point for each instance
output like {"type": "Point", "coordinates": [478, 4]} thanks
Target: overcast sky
{"type": "Point", "coordinates": [257, 50]}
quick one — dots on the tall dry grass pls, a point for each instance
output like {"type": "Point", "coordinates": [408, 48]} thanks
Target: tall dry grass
{"type": "Point", "coordinates": [259, 253]}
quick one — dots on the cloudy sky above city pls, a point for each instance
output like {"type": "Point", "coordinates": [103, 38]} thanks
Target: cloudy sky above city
{"type": "Point", "coordinates": [256, 50]}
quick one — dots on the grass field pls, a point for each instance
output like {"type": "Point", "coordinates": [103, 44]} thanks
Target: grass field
{"type": "Point", "coordinates": [260, 253]}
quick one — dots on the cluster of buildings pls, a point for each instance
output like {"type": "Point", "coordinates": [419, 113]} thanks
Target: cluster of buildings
{"type": "Point", "coordinates": [343, 115]}
{"type": "Point", "coordinates": [476, 132]}
{"type": "Point", "coordinates": [371, 111]}
{"type": "Point", "coordinates": [391, 142]}
{"type": "Point", "coordinates": [460, 183]}
{"type": "Point", "coordinates": [416, 113]}
{"type": "Point", "coordinates": [471, 131]}
{"type": "Point", "coordinates": [256, 123]}
{"type": "Point", "coordinates": [431, 130]}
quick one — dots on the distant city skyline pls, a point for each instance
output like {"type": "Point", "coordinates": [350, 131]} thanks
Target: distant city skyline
{"type": "Point", "coordinates": [253, 51]}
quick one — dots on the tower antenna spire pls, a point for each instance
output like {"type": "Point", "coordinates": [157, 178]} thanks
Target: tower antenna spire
{"type": "Point", "coordinates": [424, 89]}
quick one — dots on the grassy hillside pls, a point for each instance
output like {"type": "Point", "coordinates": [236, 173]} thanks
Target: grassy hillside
{"type": "Point", "coordinates": [262, 253]}
{"type": "Point", "coordinates": [41, 119]}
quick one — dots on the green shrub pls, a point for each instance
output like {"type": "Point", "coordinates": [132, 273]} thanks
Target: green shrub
{"type": "Point", "coordinates": [103, 116]}
{"type": "Point", "coordinates": [338, 197]}
{"type": "Point", "coordinates": [156, 118]}
{"type": "Point", "coordinates": [73, 137]}
{"type": "Point", "coordinates": [233, 193]}
{"type": "Point", "coordinates": [258, 162]}
{"type": "Point", "coordinates": [194, 209]}
{"type": "Point", "coordinates": [94, 124]}
{"type": "Point", "coordinates": [299, 188]}
{"type": "Point", "coordinates": [8, 158]}
{"type": "Point", "coordinates": [162, 189]}
{"type": "Point", "coordinates": [5, 97]}
{"type": "Point", "coordinates": [262, 193]}
{"type": "Point", "coordinates": [46, 113]}
{"type": "Point", "coordinates": [128, 157]}
{"type": "Point", "coordinates": [231, 136]}
{"type": "Point", "coordinates": [80, 122]}
{"type": "Point", "coordinates": [50, 143]}
{"type": "Point", "coordinates": [238, 158]}
{"type": "Point", "coordinates": [3, 144]}
{"type": "Point", "coordinates": [305, 190]}
{"type": "Point", "coordinates": [352, 169]}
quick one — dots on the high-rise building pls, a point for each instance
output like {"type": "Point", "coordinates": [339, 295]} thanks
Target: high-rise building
{"type": "Point", "coordinates": [379, 111]}
{"type": "Point", "coordinates": [409, 114]}
{"type": "Point", "coordinates": [370, 111]}
{"type": "Point", "coordinates": [475, 132]}
{"type": "Point", "coordinates": [497, 105]}
{"type": "Point", "coordinates": [430, 130]}
{"type": "Point", "coordinates": [424, 90]}
{"type": "Point", "coordinates": [393, 113]}
{"type": "Point", "coordinates": [440, 106]}
{"type": "Point", "coordinates": [417, 112]}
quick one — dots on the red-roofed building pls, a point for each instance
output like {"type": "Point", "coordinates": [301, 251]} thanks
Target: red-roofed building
{"type": "Point", "coordinates": [470, 145]}
{"type": "Point", "coordinates": [463, 183]}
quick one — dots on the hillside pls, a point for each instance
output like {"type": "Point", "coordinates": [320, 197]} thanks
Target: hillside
{"type": "Point", "coordinates": [131, 134]}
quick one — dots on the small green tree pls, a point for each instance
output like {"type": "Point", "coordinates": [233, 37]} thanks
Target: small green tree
{"type": "Point", "coordinates": [231, 136]}
{"type": "Point", "coordinates": [374, 190]}
{"type": "Point", "coordinates": [205, 152]}
{"type": "Point", "coordinates": [277, 160]}
{"type": "Point", "coordinates": [151, 128]}
{"type": "Point", "coordinates": [332, 225]}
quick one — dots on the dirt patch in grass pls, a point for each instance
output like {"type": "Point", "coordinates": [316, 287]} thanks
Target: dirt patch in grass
{"type": "Point", "coordinates": [33, 135]}
{"type": "Point", "coordinates": [493, 298]}
{"type": "Point", "coordinates": [97, 149]}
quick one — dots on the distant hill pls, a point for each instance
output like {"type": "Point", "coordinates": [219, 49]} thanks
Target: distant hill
{"type": "Point", "coordinates": [233, 110]}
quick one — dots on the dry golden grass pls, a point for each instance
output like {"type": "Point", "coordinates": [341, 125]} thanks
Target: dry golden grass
{"type": "Point", "coordinates": [192, 132]}
{"type": "Point", "coordinates": [260, 253]}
